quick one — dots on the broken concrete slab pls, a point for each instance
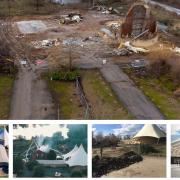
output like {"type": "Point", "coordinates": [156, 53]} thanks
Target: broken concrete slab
{"type": "Point", "coordinates": [31, 27]}
{"type": "Point", "coordinates": [133, 98]}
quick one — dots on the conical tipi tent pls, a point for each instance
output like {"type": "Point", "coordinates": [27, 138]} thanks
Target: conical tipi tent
{"type": "Point", "coordinates": [78, 158]}
{"type": "Point", "coordinates": [71, 152]}
{"type": "Point", "coordinates": [150, 132]}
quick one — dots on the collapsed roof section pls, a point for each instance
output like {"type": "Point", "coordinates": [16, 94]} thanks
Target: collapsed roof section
{"type": "Point", "coordinates": [139, 20]}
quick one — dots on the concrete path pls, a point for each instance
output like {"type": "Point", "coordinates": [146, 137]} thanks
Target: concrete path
{"type": "Point", "coordinates": [31, 98]}
{"type": "Point", "coordinates": [133, 99]}
{"type": "Point", "coordinates": [165, 7]}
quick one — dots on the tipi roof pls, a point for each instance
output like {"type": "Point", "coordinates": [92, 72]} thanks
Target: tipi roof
{"type": "Point", "coordinates": [78, 158]}
{"type": "Point", "coordinates": [71, 152]}
{"type": "Point", "coordinates": [150, 130]}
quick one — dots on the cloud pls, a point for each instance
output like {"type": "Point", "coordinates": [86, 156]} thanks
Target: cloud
{"type": "Point", "coordinates": [162, 126]}
{"type": "Point", "coordinates": [93, 129]}
{"type": "Point", "coordinates": [127, 129]}
{"type": "Point", "coordinates": [175, 129]}
{"type": "Point", "coordinates": [40, 131]}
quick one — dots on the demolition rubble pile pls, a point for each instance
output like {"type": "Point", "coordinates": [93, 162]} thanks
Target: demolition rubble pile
{"type": "Point", "coordinates": [45, 43]}
{"type": "Point", "coordinates": [129, 49]}
{"type": "Point", "coordinates": [108, 164]}
{"type": "Point", "coordinates": [105, 10]}
{"type": "Point", "coordinates": [82, 41]}
{"type": "Point", "coordinates": [71, 18]}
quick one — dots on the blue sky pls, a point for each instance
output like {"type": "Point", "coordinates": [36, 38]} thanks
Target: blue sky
{"type": "Point", "coordinates": [175, 132]}
{"type": "Point", "coordinates": [121, 129]}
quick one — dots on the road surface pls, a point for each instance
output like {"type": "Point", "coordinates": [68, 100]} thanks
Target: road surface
{"type": "Point", "coordinates": [165, 7]}
{"type": "Point", "coordinates": [133, 99]}
{"type": "Point", "coordinates": [150, 167]}
{"type": "Point", "coordinates": [31, 98]}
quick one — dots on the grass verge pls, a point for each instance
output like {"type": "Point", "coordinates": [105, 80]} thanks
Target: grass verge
{"type": "Point", "coordinates": [104, 103]}
{"type": "Point", "coordinates": [6, 85]}
{"type": "Point", "coordinates": [160, 91]}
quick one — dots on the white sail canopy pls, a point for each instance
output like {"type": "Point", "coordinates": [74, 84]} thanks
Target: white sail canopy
{"type": "Point", "coordinates": [150, 130]}
{"type": "Point", "coordinates": [78, 158]}
{"type": "Point", "coordinates": [71, 152]}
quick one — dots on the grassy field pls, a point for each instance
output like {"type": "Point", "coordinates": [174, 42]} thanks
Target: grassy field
{"type": "Point", "coordinates": [160, 91]}
{"type": "Point", "coordinates": [103, 102]}
{"type": "Point", "coordinates": [6, 85]}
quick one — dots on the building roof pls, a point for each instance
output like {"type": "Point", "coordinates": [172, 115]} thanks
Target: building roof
{"type": "Point", "coordinates": [150, 130]}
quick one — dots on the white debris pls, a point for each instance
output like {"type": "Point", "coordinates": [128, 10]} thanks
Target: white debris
{"type": "Point", "coordinates": [47, 43]}
{"type": "Point", "coordinates": [176, 50]}
{"type": "Point", "coordinates": [104, 61]}
{"type": "Point", "coordinates": [135, 49]}
{"type": "Point", "coordinates": [107, 32]}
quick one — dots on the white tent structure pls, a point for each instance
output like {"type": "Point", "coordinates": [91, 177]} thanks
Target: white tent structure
{"type": "Point", "coordinates": [150, 131]}
{"type": "Point", "coordinates": [78, 158]}
{"type": "Point", "coordinates": [3, 155]}
{"type": "Point", "coordinates": [6, 138]}
{"type": "Point", "coordinates": [71, 152]}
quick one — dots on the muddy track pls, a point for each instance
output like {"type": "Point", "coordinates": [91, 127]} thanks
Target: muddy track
{"type": "Point", "coordinates": [31, 98]}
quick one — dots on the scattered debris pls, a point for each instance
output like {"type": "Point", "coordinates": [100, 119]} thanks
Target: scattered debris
{"type": "Point", "coordinates": [139, 63]}
{"type": "Point", "coordinates": [45, 43]}
{"type": "Point", "coordinates": [122, 52]}
{"type": "Point", "coordinates": [105, 10]}
{"type": "Point", "coordinates": [71, 18]}
{"type": "Point", "coordinates": [135, 49]}
{"type": "Point", "coordinates": [176, 50]}
{"type": "Point", "coordinates": [114, 25]}
{"type": "Point", "coordinates": [39, 62]}
{"type": "Point", "coordinates": [107, 32]}
{"type": "Point", "coordinates": [23, 62]}
{"type": "Point", "coordinates": [82, 41]}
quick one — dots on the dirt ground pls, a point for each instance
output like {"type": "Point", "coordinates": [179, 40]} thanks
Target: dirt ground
{"type": "Point", "coordinates": [86, 54]}
{"type": "Point", "coordinates": [149, 167]}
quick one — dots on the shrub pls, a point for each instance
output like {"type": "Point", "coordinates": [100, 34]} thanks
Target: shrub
{"type": "Point", "coordinates": [31, 165]}
{"type": "Point", "coordinates": [39, 171]}
{"type": "Point", "coordinates": [51, 155]}
{"type": "Point", "coordinates": [76, 173]}
{"type": "Point", "coordinates": [65, 76]}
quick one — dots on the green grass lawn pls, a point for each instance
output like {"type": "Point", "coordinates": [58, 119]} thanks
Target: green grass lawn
{"type": "Point", "coordinates": [103, 102]}
{"type": "Point", "coordinates": [160, 91]}
{"type": "Point", "coordinates": [6, 85]}
{"type": "Point", "coordinates": [64, 94]}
